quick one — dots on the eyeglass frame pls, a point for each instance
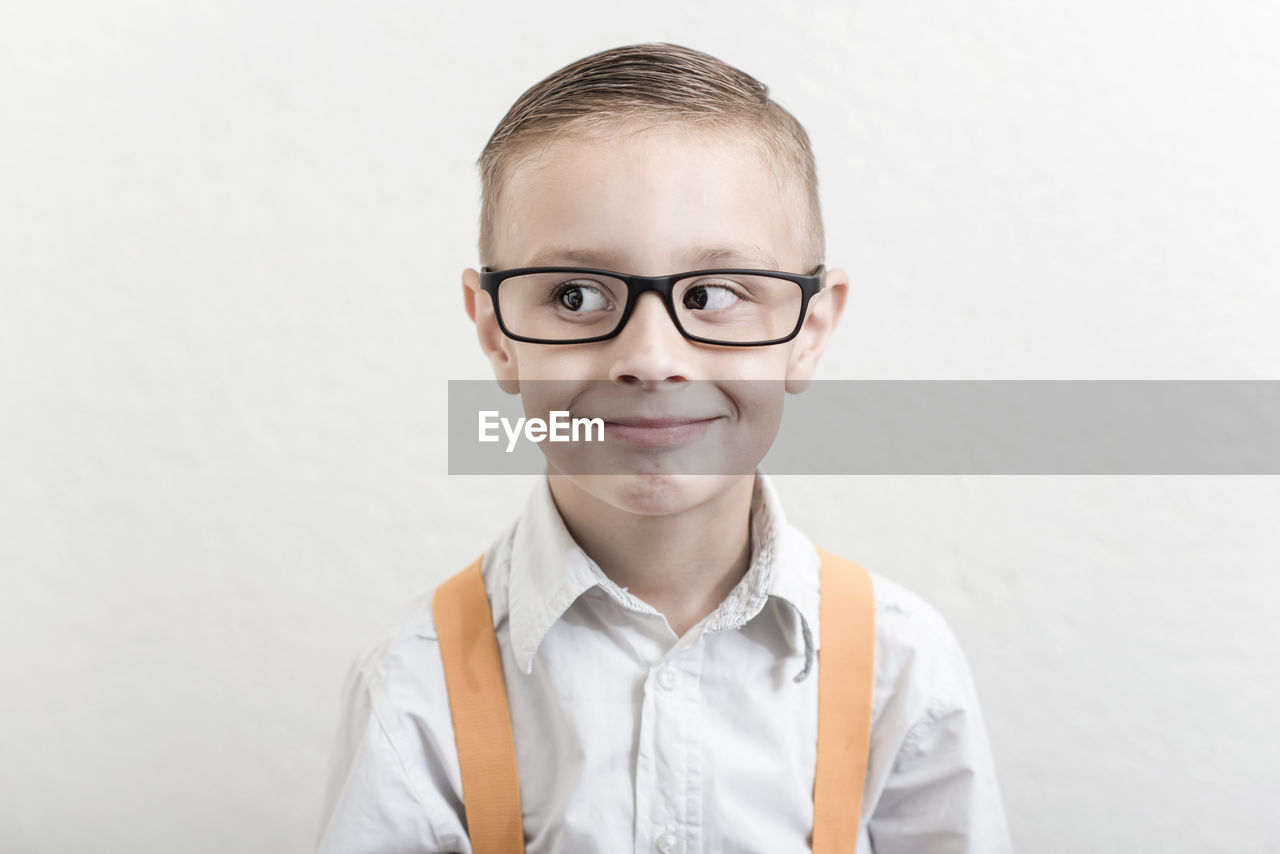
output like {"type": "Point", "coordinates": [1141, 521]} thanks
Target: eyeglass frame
{"type": "Point", "coordinates": [664, 286]}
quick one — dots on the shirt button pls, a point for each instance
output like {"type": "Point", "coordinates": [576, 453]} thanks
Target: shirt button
{"type": "Point", "coordinates": [668, 843]}
{"type": "Point", "coordinates": [667, 679]}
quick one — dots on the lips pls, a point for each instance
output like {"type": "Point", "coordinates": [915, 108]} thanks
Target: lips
{"type": "Point", "coordinates": [669, 431]}
{"type": "Point", "coordinates": [658, 423]}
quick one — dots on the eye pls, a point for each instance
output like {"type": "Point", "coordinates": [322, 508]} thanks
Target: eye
{"type": "Point", "coordinates": [710, 297]}
{"type": "Point", "coordinates": [580, 298]}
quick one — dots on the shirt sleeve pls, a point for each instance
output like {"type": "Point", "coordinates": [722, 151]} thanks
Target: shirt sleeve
{"type": "Point", "coordinates": [941, 794]}
{"type": "Point", "coordinates": [389, 787]}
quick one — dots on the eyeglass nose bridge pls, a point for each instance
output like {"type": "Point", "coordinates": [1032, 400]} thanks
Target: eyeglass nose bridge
{"type": "Point", "coordinates": [663, 286]}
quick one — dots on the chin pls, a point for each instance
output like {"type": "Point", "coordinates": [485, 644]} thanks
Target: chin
{"type": "Point", "coordinates": [652, 494]}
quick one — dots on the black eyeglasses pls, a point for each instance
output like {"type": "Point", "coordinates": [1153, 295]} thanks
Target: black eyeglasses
{"type": "Point", "coordinates": [578, 305]}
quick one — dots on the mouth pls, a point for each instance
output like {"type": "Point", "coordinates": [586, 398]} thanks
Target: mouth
{"type": "Point", "coordinates": [658, 432]}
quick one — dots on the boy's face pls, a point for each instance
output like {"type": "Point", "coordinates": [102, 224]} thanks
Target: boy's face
{"type": "Point", "coordinates": [655, 201]}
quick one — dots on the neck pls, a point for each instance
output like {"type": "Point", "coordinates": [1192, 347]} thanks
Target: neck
{"type": "Point", "coordinates": [683, 564]}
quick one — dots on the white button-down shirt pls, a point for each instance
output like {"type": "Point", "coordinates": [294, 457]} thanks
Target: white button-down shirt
{"type": "Point", "coordinates": [629, 738]}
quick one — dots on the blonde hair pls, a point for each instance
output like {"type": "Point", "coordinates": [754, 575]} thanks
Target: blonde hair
{"type": "Point", "coordinates": [656, 81]}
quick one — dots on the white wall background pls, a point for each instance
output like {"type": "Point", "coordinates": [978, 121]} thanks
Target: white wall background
{"type": "Point", "coordinates": [230, 243]}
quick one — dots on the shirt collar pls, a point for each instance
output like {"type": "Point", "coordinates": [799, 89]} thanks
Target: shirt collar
{"type": "Point", "coordinates": [549, 571]}
{"type": "Point", "coordinates": [794, 570]}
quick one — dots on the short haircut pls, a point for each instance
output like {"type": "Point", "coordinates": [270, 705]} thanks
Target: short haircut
{"type": "Point", "coordinates": [655, 82]}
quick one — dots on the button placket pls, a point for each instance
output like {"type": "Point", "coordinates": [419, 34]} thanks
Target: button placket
{"type": "Point", "coordinates": [670, 758]}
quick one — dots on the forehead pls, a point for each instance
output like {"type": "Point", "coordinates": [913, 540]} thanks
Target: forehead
{"type": "Point", "coordinates": [650, 200]}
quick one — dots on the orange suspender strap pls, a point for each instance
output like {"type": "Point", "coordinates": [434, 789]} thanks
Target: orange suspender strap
{"type": "Point", "coordinates": [846, 678]}
{"type": "Point", "coordinates": [482, 722]}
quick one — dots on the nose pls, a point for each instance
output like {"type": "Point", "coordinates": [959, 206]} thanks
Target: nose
{"type": "Point", "coordinates": [650, 349]}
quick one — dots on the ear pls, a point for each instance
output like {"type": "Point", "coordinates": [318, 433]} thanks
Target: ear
{"type": "Point", "coordinates": [499, 348]}
{"type": "Point", "coordinates": [819, 322]}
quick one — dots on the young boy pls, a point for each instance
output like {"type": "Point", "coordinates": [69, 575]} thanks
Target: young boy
{"type": "Point", "coordinates": [658, 632]}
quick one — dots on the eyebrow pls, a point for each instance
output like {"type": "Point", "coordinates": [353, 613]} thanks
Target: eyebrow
{"type": "Point", "coordinates": [751, 256]}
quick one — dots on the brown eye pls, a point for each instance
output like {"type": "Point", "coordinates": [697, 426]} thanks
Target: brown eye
{"type": "Point", "coordinates": [571, 298]}
{"type": "Point", "coordinates": [713, 297]}
{"type": "Point", "coordinates": [579, 299]}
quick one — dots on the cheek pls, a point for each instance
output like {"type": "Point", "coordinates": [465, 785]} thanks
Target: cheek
{"type": "Point", "coordinates": [547, 362]}
{"type": "Point", "coordinates": [754, 364]}
{"type": "Point", "coordinates": [759, 402]}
